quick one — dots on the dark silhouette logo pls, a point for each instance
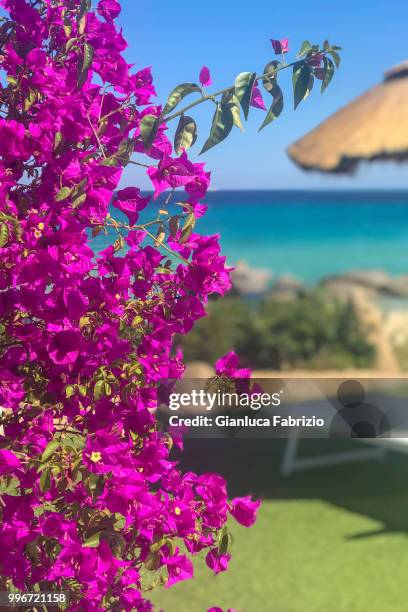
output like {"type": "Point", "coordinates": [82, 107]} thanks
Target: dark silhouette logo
{"type": "Point", "coordinates": [355, 417]}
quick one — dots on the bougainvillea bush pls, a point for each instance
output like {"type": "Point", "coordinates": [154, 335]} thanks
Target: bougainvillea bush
{"type": "Point", "coordinates": [91, 501]}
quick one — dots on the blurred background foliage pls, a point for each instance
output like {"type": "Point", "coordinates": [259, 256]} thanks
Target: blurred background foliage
{"type": "Point", "coordinates": [311, 332]}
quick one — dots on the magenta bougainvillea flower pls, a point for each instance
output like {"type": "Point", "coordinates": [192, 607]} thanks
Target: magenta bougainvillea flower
{"type": "Point", "coordinates": [179, 568]}
{"type": "Point", "coordinates": [216, 609]}
{"type": "Point", "coordinates": [179, 172]}
{"type": "Point", "coordinates": [8, 462]}
{"type": "Point", "coordinates": [256, 97]}
{"type": "Point", "coordinates": [216, 561]}
{"type": "Point", "coordinates": [130, 202]}
{"type": "Point", "coordinates": [319, 73]}
{"type": "Point", "coordinates": [109, 9]}
{"type": "Point", "coordinates": [316, 59]}
{"type": "Point", "coordinates": [205, 77]}
{"type": "Point", "coordinates": [92, 498]}
{"type": "Point", "coordinates": [229, 366]}
{"type": "Point", "coordinates": [280, 45]}
{"type": "Point", "coordinates": [243, 509]}
{"type": "Point", "coordinates": [64, 346]}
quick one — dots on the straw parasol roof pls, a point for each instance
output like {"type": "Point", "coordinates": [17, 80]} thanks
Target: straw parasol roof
{"type": "Point", "coordinates": [372, 127]}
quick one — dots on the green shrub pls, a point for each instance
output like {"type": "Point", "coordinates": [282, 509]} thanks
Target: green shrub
{"type": "Point", "coordinates": [227, 325]}
{"type": "Point", "coordinates": [313, 331]}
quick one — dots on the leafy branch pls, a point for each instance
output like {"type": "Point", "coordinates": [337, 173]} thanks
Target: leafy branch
{"type": "Point", "coordinates": [312, 62]}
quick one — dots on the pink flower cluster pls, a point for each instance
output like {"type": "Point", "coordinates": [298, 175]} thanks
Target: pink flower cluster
{"type": "Point", "coordinates": [90, 499]}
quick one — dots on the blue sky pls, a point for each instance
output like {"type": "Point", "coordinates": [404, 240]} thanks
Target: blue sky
{"type": "Point", "coordinates": [177, 38]}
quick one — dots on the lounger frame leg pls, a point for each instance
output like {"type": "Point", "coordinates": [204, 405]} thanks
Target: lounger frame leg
{"type": "Point", "coordinates": [289, 456]}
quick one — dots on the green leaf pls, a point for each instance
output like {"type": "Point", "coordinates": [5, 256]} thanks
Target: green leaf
{"type": "Point", "coordinates": [186, 134]}
{"type": "Point", "coordinates": [335, 56]}
{"type": "Point", "coordinates": [31, 98]}
{"type": "Point", "coordinates": [95, 483]}
{"type": "Point", "coordinates": [110, 161]}
{"type": "Point", "coordinates": [45, 481]}
{"type": "Point", "coordinates": [88, 57]}
{"type": "Point", "coordinates": [301, 81]}
{"type": "Point", "coordinates": [270, 73]}
{"type": "Point", "coordinates": [4, 234]}
{"type": "Point", "coordinates": [233, 104]}
{"type": "Point", "coordinates": [63, 194]}
{"type": "Point", "coordinates": [188, 227]}
{"type": "Point", "coordinates": [328, 72]}
{"type": "Point", "coordinates": [10, 486]}
{"type": "Point", "coordinates": [118, 244]}
{"type": "Point", "coordinates": [49, 450]}
{"type": "Point", "coordinates": [174, 225]}
{"type": "Point", "coordinates": [221, 126]}
{"type": "Point", "coordinates": [243, 90]}
{"type": "Point", "coordinates": [99, 389]}
{"type": "Point", "coordinates": [152, 561]}
{"type": "Point", "coordinates": [67, 27]}
{"type": "Point", "coordinates": [86, 62]}
{"type": "Point", "coordinates": [125, 150]}
{"type": "Point", "coordinates": [225, 541]}
{"type": "Point", "coordinates": [178, 93]}
{"type": "Point", "coordinates": [82, 390]}
{"type": "Point", "coordinates": [57, 140]}
{"type": "Point", "coordinates": [94, 540]}
{"type": "Point", "coordinates": [73, 441]}
{"type": "Point", "coordinates": [70, 43]}
{"type": "Point", "coordinates": [271, 86]}
{"type": "Point", "coordinates": [84, 7]}
{"type": "Point", "coordinates": [79, 200]}
{"type": "Point", "coordinates": [309, 86]}
{"type": "Point", "coordinates": [276, 107]}
{"type": "Point", "coordinates": [81, 25]}
{"type": "Point", "coordinates": [305, 48]}
{"type": "Point", "coordinates": [69, 391]}
{"type": "Point", "coordinates": [156, 546]}
{"type": "Point", "coordinates": [148, 130]}
{"type": "Point", "coordinates": [119, 521]}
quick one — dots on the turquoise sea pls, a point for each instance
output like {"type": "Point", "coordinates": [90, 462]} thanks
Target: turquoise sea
{"type": "Point", "coordinates": [310, 234]}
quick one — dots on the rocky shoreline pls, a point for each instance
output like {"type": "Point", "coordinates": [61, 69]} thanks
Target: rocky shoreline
{"type": "Point", "coordinates": [255, 282]}
{"type": "Point", "coordinates": [368, 290]}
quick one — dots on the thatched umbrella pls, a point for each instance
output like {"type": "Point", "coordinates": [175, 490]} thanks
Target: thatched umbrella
{"type": "Point", "coordinates": [372, 127]}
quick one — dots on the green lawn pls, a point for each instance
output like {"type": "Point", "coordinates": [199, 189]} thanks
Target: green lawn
{"type": "Point", "coordinates": [326, 540]}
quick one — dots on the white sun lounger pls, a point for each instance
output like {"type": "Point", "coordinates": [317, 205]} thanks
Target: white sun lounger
{"type": "Point", "coordinates": [396, 410]}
